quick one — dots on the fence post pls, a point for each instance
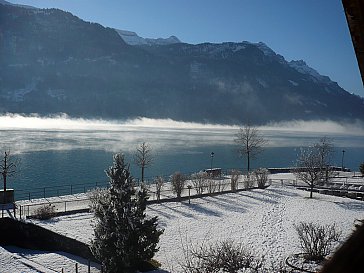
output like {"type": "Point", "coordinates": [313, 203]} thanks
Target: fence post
{"type": "Point", "coordinates": [89, 266]}
{"type": "Point", "coordinates": [76, 267]}
{"type": "Point", "coordinates": [189, 194]}
{"type": "Point", "coordinates": [65, 206]}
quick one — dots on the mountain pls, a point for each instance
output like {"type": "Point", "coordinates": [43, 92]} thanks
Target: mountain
{"type": "Point", "coordinates": [3, 2]}
{"type": "Point", "coordinates": [51, 61]}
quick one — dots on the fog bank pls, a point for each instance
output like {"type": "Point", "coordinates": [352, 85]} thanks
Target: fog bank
{"type": "Point", "coordinates": [34, 133]}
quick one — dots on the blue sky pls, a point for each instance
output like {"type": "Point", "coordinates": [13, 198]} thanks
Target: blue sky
{"type": "Point", "coordinates": [312, 30]}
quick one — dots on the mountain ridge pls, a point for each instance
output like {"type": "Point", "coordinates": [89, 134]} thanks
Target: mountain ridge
{"type": "Point", "coordinates": [52, 61]}
{"type": "Point", "coordinates": [132, 38]}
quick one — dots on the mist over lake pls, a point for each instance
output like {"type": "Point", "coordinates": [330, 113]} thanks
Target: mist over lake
{"type": "Point", "coordinates": [62, 151]}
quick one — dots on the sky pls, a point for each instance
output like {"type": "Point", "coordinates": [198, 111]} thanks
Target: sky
{"type": "Point", "coordinates": [311, 30]}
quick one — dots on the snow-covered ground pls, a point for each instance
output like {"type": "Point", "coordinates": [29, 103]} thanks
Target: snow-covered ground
{"type": "Point", "coordinates": [260, 219]}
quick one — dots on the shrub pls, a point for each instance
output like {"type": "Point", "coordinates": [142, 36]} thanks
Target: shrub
{"type": "Point", "coordinates": [95, 195]}
{"type": "Point", "coordinates": [221, 185]}
{"type": "Point", "coordinates": [234, 180]}
{"type": "Point", "coordinates": [249, 181]}
{"type": "Point", "coordinates": [211, 185]}
{"type": "Point", "coordinates": [199, 181]}
{"type": "Point", "coordinates": [45, 212]}
{"type": "Point", "coordinates": [261, 176]}
{"type": "Point", "coordinates": [159, 183]}
{"type": "Point", "coordinates": [224, 256]}
{"type": "Point", "coordinates": [178, 181]}
{"type": "Point", "coordinates": [317, 241]}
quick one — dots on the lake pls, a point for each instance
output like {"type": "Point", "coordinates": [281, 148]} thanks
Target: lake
{"type": "Point", "coordinates": [60, 151]}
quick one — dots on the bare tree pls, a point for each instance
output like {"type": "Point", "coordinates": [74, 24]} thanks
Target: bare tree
{"type": "Point", "coordinates": [312, 166]}
{"type": "Point", "coordinates": [325, 149]}
{"type": "Point", "coordinates": [143, 157]}
{"type": "Point", "coordinates": [308, 168]}
{"type": "Point", "coordinates": [178, 181]}
{"type": "Point", "coordinates": [250, 142]}
{"type": "Point", "coordinates": [8, 166]}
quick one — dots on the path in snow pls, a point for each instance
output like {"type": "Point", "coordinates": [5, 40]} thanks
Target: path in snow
{"type": "Point", "coordinates": [273, 230]}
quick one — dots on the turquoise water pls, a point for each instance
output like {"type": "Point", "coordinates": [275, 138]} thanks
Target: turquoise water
{"type": "Point", "coordinates": [58, 158]}
{"type": "Point", "coordinates": [61, 168]}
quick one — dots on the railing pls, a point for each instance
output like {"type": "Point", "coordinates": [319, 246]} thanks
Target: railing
{"type": "Point", "coordinates": [81, 202]}
{"type": "Point", "coordinates": [65, 203]}
{"type": "Point", "coordinates": [60, 207]}
{"type": "Point", "coordinates": [53, 191]}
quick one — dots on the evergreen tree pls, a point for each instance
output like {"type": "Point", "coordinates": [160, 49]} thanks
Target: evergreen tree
{"type": "Point", "coordinates": [124, 236]}
{"type": "Point", "coordinates": [361, 168]}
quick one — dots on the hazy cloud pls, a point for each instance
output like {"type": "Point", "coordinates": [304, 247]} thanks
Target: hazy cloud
{"type": "Point", "coordinates": [34, 133]}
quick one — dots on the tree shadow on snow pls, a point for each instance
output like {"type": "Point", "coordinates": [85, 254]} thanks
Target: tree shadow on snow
{"type": "Point", "coordinates": [263, 199]}
{"type": "Point", "coordinates": [229, 204]}
{"type": "Point", "coordinates": [283, 192]}
{"type": "Point", "coordinates": [161, 213]}
{"type": "Point", "coordinates": [203, 210]}
{"type": "Point", "coordinates": [185, 214]}
{"type": "Point", "coordinates": [351, 205]}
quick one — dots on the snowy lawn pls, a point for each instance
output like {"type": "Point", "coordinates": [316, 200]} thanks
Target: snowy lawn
{"type": "Point", "coordinates": [45, 261]}
{"type": "Point", "coordinates": [260, 219]}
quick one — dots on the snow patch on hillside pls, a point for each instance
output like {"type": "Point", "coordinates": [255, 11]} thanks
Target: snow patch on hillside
{"type": "Point", "coordinates": [293, 83]}
{"type": "Point", "coordinates": [19, 94]}
{"type": "Point", "coordinates": [132, 38]}
{"type": "Point", "coordinates": [303, 68]}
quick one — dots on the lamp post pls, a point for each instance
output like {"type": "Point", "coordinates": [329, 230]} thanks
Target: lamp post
{"type": "Point", "coordinates": [212, 158]}
{"type": "Point", "coordinates": [342, 161]}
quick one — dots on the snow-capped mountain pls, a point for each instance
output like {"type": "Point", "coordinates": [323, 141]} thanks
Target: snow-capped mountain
{"type": "Point", "coordinates": [52, 61]}
{"type": "Point", "coordinates": [132, 38]}
{"type": "Point", "coordinates": [303, 68]}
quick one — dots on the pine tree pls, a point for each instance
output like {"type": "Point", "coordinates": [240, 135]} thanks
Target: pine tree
{"type": "Point", "coordinates": [361, 168]}
{"type": "Point", "coordinates": [124, 236]}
